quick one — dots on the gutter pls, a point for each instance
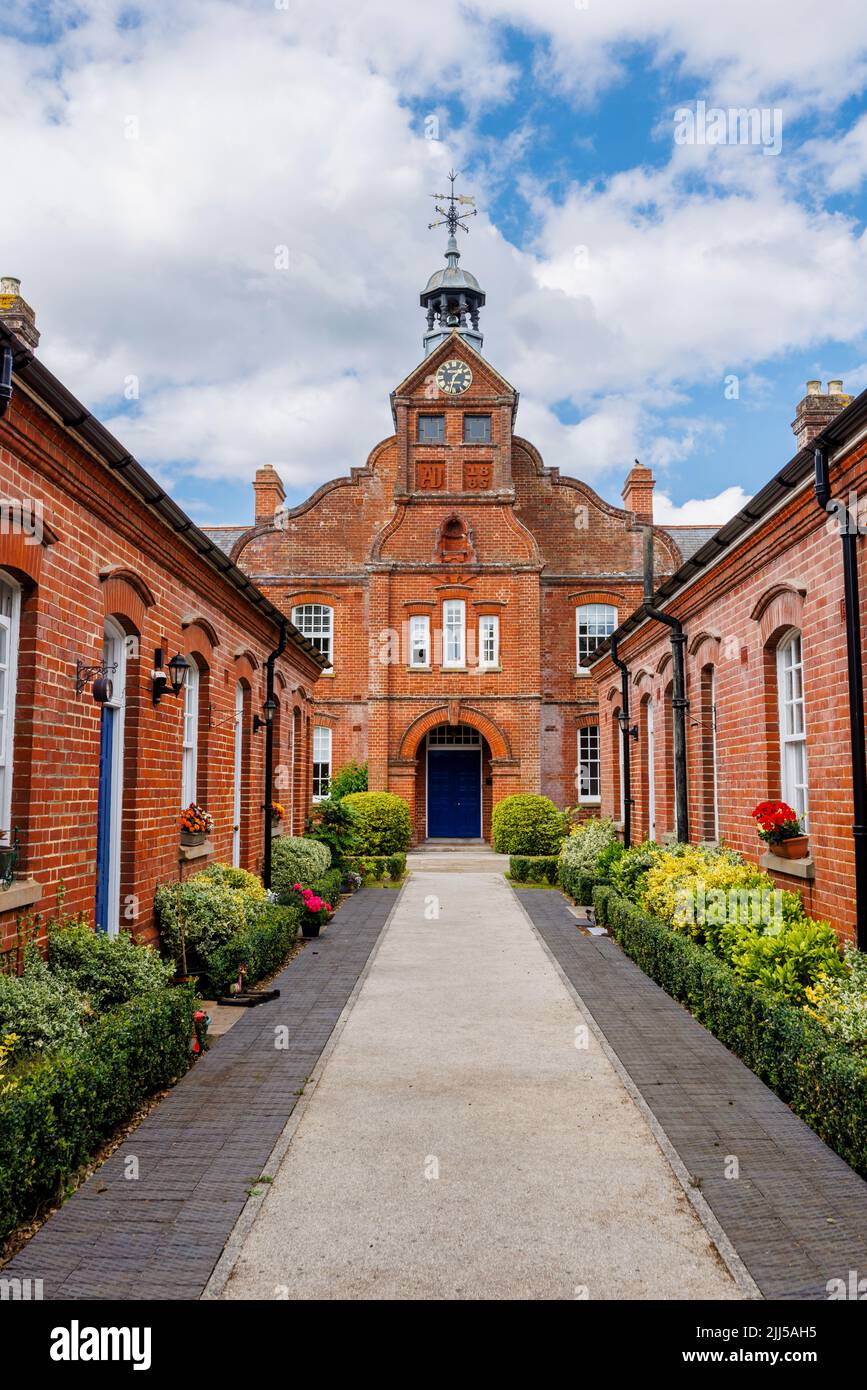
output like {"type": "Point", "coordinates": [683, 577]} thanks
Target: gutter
{"type": "Point", "coordinates": [75, 416]}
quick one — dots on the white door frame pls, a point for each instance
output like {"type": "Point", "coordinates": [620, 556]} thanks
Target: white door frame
{"type": "Point", "coordinates": [114, 654]}
{"type": "Point", "coordinates": [651, 773]}
{"type": "Point", "coordinates": [237, 771]}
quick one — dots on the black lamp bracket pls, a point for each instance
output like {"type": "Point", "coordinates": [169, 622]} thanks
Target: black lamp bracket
{"type": "Point", "coordinates": [85, 673]}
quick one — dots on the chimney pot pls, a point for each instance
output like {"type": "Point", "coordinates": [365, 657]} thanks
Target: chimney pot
{"type": "Point", "coordinates": [817, 410]}
{"type": "Point", "coordinates": [16, 313]}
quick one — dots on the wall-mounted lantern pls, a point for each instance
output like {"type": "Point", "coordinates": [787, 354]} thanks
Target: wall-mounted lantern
{"type": "Point", "coordinates": [174, 679]}
{"type": "Point", "coordinates": [269, 709]}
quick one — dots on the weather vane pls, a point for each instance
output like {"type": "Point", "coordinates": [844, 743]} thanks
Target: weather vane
{"type": "Point", "coordinates": [450, 217]}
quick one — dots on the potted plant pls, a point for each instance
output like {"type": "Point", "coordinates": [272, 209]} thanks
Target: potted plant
{"type": "Point", "coordinates": [278, 813]}
{"type": "Point", "coordinates": [315, 912]}
{"type": "Point", "coordinates": [196, 825]}
{"type": "Point", "coordinates": [778, 825]}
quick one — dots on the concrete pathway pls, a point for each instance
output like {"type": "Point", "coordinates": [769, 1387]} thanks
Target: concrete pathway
{"type": "Point", "coordinates": [459, 1145]}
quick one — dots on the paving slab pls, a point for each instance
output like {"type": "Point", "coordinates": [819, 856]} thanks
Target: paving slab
{"type": "Point", "coordinates": [199, 1148]}
{"type": "Point", "coordinates": [459, 1145]}
{"type": "Point", "coordinates": [796, 1213]}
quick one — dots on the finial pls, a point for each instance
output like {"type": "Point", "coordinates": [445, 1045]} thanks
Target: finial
{"type": "Point", "coordinates": [450, 217]}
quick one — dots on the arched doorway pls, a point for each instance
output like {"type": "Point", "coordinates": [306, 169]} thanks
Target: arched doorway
{"type": "Point", "coordinates": [453, 756]}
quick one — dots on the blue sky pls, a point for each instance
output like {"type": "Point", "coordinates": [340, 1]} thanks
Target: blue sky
{"type": "Point", "coordinates": [222, 209]}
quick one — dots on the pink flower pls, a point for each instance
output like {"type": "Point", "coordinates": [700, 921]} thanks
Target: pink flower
{"type": "Point", "coordinates": [296, 887]}
{"type": "Point", "coordinates": [328, 907]}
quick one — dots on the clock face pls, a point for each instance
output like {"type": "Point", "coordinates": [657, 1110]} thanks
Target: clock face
{"type": "Point", "coordinates": [454, 376]}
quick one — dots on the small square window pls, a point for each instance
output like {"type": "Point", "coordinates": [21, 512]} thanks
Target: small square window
{"type": "Point", "coordinates": [477, 429]}
{"type": "Point", "coordinates": [431, 429]}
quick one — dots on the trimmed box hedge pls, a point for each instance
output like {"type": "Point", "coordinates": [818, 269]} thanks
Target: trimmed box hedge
{"type": "Point", "coordinates": [262, 948]}
{"type": "Point", "coordinates": [373, 867]}
{"type": "Point", "coordinates": [818, 1077]}
{"type": "Point", "coordinates": [533, 868]}
{"type": "Point", "coordinates": [58, 1114]}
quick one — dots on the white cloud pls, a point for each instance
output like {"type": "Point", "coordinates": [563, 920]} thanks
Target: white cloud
{"type": "Point", "coordinates": [699, 511]}
{"type": "Point", "coordinates": [261, 127]}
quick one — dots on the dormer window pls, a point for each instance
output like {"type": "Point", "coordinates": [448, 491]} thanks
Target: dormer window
{"type": "Point", "coordinates": [431, 429]}
{"type": "Point", "coordinates": [477, 429]}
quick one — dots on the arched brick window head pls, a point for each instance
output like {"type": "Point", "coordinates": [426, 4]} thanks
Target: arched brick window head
{"type": "Point", "coordinates": [455, 546]}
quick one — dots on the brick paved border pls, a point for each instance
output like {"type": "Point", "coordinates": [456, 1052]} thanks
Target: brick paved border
{"type": "Point", "coordinates": [161, 1236]}
{"type": "Point", "coordinates": [797, 1214]}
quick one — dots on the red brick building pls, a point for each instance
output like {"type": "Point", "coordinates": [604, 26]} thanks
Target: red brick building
{"type": "Point", "coordinates": [763, 608]}
{"type": "Point", "coordinates": [453, 582]}
{"type": "Point", "coordinates": [100, 570]}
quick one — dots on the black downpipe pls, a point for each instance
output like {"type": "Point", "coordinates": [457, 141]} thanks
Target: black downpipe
{"type": "Point", "coordinates": [849, 538]}
{"type": "Point", "coordinates": [269, 749]}
{"type": "Point", "coordinates": [625, 751]}
{"type": "Point", "coordinates": [679, 702]}
{"type": "Point", "coordinates": [5, 379]}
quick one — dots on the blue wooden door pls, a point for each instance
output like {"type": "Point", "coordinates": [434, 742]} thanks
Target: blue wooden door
{"type": "Point", "coordinates": [454, 794]}
{"type": "Point", "coordinates": [103, 817]}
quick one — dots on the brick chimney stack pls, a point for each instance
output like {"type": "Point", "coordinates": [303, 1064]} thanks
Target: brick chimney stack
{"type": "Point", "coordinates": [638, 492]}
{"type": "Point", "coordinates": [16, 313]}
{"type": "Point", "coordinates": [817, 410]}
{"type": "Point", "coordinates": [270, 493]}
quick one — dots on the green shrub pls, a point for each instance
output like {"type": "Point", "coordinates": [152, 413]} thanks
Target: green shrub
{"type": "Point", "coordinates": [528, 824]}
{"type": "Point", "coordinates": [296, 860]}
{"type": "Point", "coordinates": [210, 911]}
{"type": "Point", "coordinates": [533, 868]}
{"type": "Point", "coordinates": [396, 866]}
{"type": "Point", "coordinates": [336, 825]}
{"type": "Point", "coordinates": [384, 825]}
{"type": "Point", "coordinates": [327, 885]}
{"type": "Point", "coordinates": [629, 874]}
{"type": "Point", "coordinates": [373, 868]}
{"type": "Point", "coordinates": [840, 1002]}
{"type": "Point", "coordinates": [60, 1111]}
{"type": "Point", "coordinates": [580, 856]}
{"type": "Point", "coordinates": [813, 1073]}
{"type": "Point", "coordinates": [352, 777]}
{"type": "Point", "coordinates": [239, 880]}
{"type": "Point", "coordinates": [261, 948]}
{"type": "Point", "coordinates": [45, 1012]}
{"type": "Point", "coordinates": [108, 969]}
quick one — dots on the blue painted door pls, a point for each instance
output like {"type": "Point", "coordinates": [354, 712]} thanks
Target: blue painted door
{"type": "Point", "coordinates": [454, 793]}
{"type": "Point", "coordinates": [103, 816]}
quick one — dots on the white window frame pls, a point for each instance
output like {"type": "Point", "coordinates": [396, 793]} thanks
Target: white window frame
{"type": "Point", "coordinates": [310, 619]}
{"type": "Point", "coordinates": [603, 618]}
{"type": "Point", "coordinates": [419, 623]}
{"type": "Point", "coordinates": [458, 659]}
{"type": "Point", "coordinates": [322, 742]}
{"type": "Point", "coordinates": [489, 627]}
{"type": "Point", "coordinates": [190, 744]}
{"type": "Point", "coordinates": [10, 621]}
{"type": "Point", "coordinates": [589, 757]}
{"type": "Point", "coordinates": [791, 704]}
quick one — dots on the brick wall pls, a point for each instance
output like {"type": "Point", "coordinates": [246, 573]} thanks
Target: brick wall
{"type": "Point", "coordinates": [787, 574]}
{"type": "Point", "coordinates": [528, 545]}
{"type": "Point", "coordinates": [105, 555]}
